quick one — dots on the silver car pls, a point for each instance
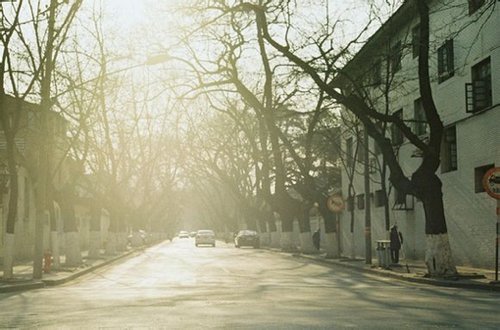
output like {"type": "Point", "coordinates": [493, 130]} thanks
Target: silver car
{"type": "Point", "coordinates": [205, 237]}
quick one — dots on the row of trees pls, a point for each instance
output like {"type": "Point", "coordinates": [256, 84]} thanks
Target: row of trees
{"type": "Point", "coordinates": [116, 150]}
{"type": "Point", "coordinates": [275, 76]}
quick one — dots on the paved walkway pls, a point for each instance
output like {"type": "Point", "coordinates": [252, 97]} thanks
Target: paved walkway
{"type": "Point", "coordinates": [23, 272]}
{"type": "Point", "coordinates": [407, 270]}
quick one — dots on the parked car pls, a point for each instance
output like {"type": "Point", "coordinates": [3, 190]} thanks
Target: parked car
{"type": "Point", "coordinates": [205, 237]}
{"type": "Point", "coordinates": [192, 234]}
{"type": "Point", "coordinates": [183, 234]}
{"type": "Point", "coordinates": [247, 238]}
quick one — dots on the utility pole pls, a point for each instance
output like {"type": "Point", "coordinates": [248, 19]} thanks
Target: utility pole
{"type": "Point", "coordinates": [44, 150]}
{"type": "Point", "coordinates": [368, 231]}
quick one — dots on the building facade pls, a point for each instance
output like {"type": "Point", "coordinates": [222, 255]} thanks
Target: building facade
{"type": "Point", "coordinates": [464, 63]}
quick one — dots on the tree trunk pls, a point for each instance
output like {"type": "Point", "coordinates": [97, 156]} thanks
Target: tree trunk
{"type": "Point", "coordinates": [330, 237]}
{"type": "Point", "coordinates": [286, 239]}
{"type": "Point", "coordinates": [306, 243]}
{"type": "Point", "coordinates": [8, 256]}
{"type": "Point", "coordinates": [55, 215]}
{"type": "Point", "coordinates": [71, 235]}
{"type": "Point", "coordinates": [275, 235]}
{"type": "Point", "coordinates": [111, 241]}
{"type": "Point", "coordinates": [438, 252]}
{"type": "Point", "coordinates": [95, 233]}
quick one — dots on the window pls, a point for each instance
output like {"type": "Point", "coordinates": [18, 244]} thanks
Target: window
{"type": "Point", "coordinates": [361, 201]}
{"type": "Point", "coordinates": [479, 173]}
{"type": "Point", "coordinates": [349, 151]}
{"type": "Point", "coordinates": [420, 121]}
{"type": "Point", "coordinates": [415, 41]}
{"type": "Point", "coordinates": [474, 5]}
{"type": "Point", "coordinates": [376, 148]}
{"type": "Point", "coordinates": [449, 152]}
{"type": "Point", "coordinates": [402, 201]}
{"type": "Point", "coordinates": [478, 93]}
{"type": "Point", "coordinates": [446, 61]}
{"type": "Point", "coordinates": [395, 58]}
{"type": "Point", "coordinates": [380, 198]}
{"type": "Point", "coordinates": [376, 73]}
{"type": "Point", "coordinates": [396, 134]}
{"type": "Point", "coordinates": [361, 148]}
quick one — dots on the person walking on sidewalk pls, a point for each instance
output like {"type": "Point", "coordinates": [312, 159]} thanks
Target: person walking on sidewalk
{"type": "Point", "coordinates": [396, 242]}
{"type": "Point", "coordinates": [316, 238]}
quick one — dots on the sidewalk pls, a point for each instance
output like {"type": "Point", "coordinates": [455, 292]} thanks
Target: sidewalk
{"type": "Point", "coordinates": [415, 271]}
{"type": "Point", "coordinates": [23, 272]}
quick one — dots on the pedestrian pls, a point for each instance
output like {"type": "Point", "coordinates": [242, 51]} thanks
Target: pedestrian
{"type": "Point", "coordinates": [396, 242]}
{"type": "Point", "coordinates": [316, 238]}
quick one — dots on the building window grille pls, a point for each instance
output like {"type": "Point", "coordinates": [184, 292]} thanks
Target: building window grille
{"type": "Point", "coordinates": [478, 93]}
{"type": "Point", "coordinates": [360, 199]}
{"type": "Point", "coordinates": [396, 133]}
{"type": "Point", "coordinates": [415, 41]}
{"type": "Point", "coordinates": [380, 198]}
{"type": "Point", "coordinates": [402, 201]}
{"type": "Point", "coordinates": [446, 61]}
{"type": "Point", "coordinates": [361, 147]}
{"type": "Point", "coordinates": [449, 158]}
{"type": "Point", "coordinates": [479, 173]}
{"type": "Point", "coordinates": [376, 73]}
{"type": "Point", "coordinates": [349, 151]}
{"type": "Point", "coordinates": [395, 57]}
{"type": "Point", "coordinates": [474, 5]}
{"type": "Point", "coordinates": [420, 121]}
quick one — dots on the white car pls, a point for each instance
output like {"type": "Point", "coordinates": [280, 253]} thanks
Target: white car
{"type": "Point", "coordinates": [205, 237]}
{"type": "Point", "coordinates": [183, 234]}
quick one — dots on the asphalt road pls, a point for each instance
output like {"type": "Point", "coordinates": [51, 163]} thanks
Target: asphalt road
{"type": "Point", "coordinates": [178, 286]}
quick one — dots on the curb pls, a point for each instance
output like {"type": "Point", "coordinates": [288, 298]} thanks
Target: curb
{"type": "Point", "coordinates": [32, 284]}
{"type": "Point", "coordinates": [408, 278]}
{"type": "Point", "coordinates": [86, 270]}
{"type": "Point", "coordinates": [22, 286]}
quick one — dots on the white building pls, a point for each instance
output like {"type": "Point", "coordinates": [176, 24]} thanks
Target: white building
{"type": "Point", "coordinates": [465, 72]}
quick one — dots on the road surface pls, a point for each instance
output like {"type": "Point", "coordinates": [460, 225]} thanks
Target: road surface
{"type": "Point", "coordinates": [178, 286]}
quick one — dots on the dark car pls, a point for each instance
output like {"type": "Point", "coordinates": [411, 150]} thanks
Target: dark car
{"type": "Point", "coordinates": [247, 238]}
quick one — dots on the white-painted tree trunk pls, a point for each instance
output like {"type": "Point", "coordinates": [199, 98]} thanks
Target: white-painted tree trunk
{"type": "Point", "coordinates": [121, 243]}
{"type": "Point", "coordinates": [111, 244]}
{"type": "Point", "coordinates": [353, 246]}
{"type": "Point", "coordinates": [306, 243]}
{"type": "Point", "coordinates": [94, 244]}
{"type": "Point", "coordinates": [275, 239]}
{"type": "Point", "coordinates": [54, 250]}
{"type": "Point", "coordinates": [286, 241]}
{"type": "Point", "coordinates": [8, 256]}
{"type": "Point", "coordinates": [73, 252]}
{"type": "Point", "coordinates": [438, 256]}
{"type": "Point", "coordinates": [265, 239]}
{"type": "Point", "coordinates": [331, 246]}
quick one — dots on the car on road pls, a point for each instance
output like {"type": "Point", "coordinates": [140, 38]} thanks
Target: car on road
{"type": "Point", "coordinates": [183, 234]}
{"type": "Point", "coordinates": [247, 238]}
{"type": "Point", "coordinates": [204, 237]}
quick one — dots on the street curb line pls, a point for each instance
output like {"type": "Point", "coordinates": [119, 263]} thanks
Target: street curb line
{"type": "Point", "coordinates": [86, 270]}
{"type": "Point", "coordinates": [407, 278]}
{"type": "Point", "coordinates": [22, 287]}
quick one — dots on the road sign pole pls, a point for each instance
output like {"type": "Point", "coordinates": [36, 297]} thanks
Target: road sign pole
{"type": "Point", "coordinates": [498, 238]}
{"type": "Point", "coordinates": [491, 184]}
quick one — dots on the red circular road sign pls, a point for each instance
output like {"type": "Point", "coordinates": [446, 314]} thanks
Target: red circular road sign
{"type": "Point", "coordinates": [335, 203]}
{"type": "Point", "coordinates": [491, 182]}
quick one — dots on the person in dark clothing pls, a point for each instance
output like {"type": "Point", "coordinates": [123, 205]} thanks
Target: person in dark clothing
{"type": "Point", "coordinates": [396, 242]}
{"type": "Point", "coordinates": [316, 238]}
